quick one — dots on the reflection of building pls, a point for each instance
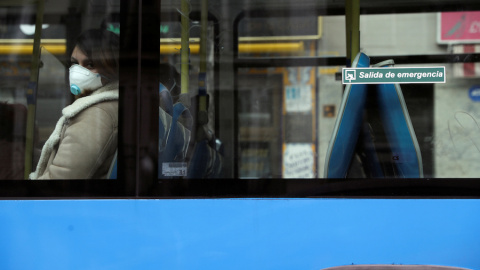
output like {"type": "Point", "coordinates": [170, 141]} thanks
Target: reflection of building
{"type": "Point", "coordinates": [260, 129]}
{"type": "Point", "coordinates": [276, 118]}
{"type": "Point", "coordinates": [14, 77]}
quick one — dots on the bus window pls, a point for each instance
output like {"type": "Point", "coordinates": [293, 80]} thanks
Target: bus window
{"type": "Point", "coordinates": [15, 76]}
{"type": "Point", "coordinates": [249, 97]}
{"type": "Point", "coordinates": [304, 107]}
{"type": "Point", "coordinates": [194, 72]}
{"type": "Point", "coordinates": [37, 44]}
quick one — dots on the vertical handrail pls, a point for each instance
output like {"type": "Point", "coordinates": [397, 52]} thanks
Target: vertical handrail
{"type": "Point", "coordinates": [203, 35]}
{"type": "Point", "coordinates": [32, 90]}
{"type": "Point", "coordinates": [352, 29]}
{"type": "Point", "coordinates": [202, 115]}
{"type": "Point", "coordinates": [185, 50]}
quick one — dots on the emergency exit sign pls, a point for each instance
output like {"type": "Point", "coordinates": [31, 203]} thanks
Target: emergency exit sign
{"type": "Point", "coordinates": [393, 75]}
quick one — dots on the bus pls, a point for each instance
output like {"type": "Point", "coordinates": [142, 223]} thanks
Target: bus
{"type": "Point", "coordinates": [251, 135]}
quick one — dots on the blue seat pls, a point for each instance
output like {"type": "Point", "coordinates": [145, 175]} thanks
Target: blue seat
{"type": "Point", "coordinates": [112, 173]}
{"type": "Point", "coordinates": [207, 160]}
{"type": "Point", "coordinates": [347, 126]}
{"type": "Point", "coordinates": [174, 137]}
{"type": "Point", "coordinates": [175, 144]}
{"type": "Point", "coordinates": [351, 125]}
{"type": "Point", "coordinates": [406, 155]}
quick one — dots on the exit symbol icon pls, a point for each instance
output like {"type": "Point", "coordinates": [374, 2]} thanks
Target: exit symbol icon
{"type": "Point", "coordinates": [350, 75]}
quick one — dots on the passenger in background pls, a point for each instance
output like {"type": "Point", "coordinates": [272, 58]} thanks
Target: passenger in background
{"type": "Point", "coordinates": [84, 141]}
{"type": "Point", "coordinates": [170, 79]}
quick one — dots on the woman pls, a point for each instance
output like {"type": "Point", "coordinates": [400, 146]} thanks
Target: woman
{"type": "Point", "coordinates": [84, 141]}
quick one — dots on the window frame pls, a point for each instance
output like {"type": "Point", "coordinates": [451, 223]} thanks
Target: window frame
{"type": "Point", "coordinates": [139, 76]}
{"type": "Point", "coordinates": [136, 133]}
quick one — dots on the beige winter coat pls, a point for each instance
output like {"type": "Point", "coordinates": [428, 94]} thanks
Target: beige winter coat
{"type": "Point", "coordinates": [84, 141]}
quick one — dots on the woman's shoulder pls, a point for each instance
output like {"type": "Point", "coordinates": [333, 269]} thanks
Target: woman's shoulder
{"type": "Point", "coordinates": [109, 107]}
{"type": "Point", "coordinates": [103, 114]}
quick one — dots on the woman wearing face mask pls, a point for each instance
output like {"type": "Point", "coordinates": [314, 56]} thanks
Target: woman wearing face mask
{"type": "Point", "coordinates": [84, 141]}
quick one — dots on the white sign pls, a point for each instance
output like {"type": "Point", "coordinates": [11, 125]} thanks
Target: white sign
{"type": "Point", "coordinates": [298, 98]}
{"type": "Point", "coordinates": [393, 75]}
{"type": "Point", "coordinates": [298, 161]}
{"type": "Point", "coordinates": [174, 169]}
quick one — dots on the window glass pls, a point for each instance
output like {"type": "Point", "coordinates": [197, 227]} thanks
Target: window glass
{"type": "Point", "coordinates": [188, 90]}
{"type": "Point", "coordinates": [256, 92]}
{"type": "Point", "coordinates": [16, 68]}
{"type": "Point", "coordinates": [46, 130]}
{"type": "Point", "coordinates": [294, 130]}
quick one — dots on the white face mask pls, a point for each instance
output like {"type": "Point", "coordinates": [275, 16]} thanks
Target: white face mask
{"type": "Point", "coordinates": [82, 79]}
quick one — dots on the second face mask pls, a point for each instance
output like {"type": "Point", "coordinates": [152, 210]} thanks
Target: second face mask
{"type": "Point", "coordinates": [82, 79]}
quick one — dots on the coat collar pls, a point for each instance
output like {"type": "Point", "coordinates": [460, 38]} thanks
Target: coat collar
{"type": "Point", "coordinates": [105, 93]}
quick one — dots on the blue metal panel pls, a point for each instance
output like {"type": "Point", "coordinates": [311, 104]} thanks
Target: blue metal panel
{"type": "Point", "coordinates": [237, 233]}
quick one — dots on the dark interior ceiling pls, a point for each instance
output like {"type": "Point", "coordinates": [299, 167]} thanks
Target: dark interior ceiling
{"type": "Point", "coordinates": [337, 7]}
{"type": "Point", "coordinates": [56, 8]}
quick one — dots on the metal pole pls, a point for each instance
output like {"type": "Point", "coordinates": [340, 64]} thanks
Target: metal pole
{"type": "Point", "coordinates": [32, 90]}
{"type": "Point", "coordinates": [203, 35]}
{"type": "Point", "coordinates": [185, 21]}
{"type": "Point", "coordinates": [202, 90]}
{"type": "Point", "coordinates": [352, 29]}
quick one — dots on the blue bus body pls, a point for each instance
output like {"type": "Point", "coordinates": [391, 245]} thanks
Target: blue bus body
{"type": "Point", "coordinates": [272, 79]}
{"type": "Point", "coordinates": [237, 233]}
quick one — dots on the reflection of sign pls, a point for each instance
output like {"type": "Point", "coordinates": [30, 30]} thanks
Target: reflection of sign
{"type": "Point", "coordinates": [394, 75]}
{"type": "Point", "coordinates": [298, 98]}
{"type": "Point", "coordinates": [173, 29]}
{"type": "Point", "coordinates": [459, 27]}
{"type": "Point", "coordinates": [174, 169]}
{"type": "Point", "coordinates": [254, 161]}
{"type": "Point", "coordinates": [298, 95]}
{"type": "Point", "coordinates": [15, 69]}
{"type": "Point", "coordinates": [164, 29]}
{"type": "Point", "coordinates": [114, 28]}
{"type": "Point", "coordinates": [298, 161]}
{"type": "Point", "coordinates": [466, 69]}
{"type": "Point", "coordinates": [474, 93]}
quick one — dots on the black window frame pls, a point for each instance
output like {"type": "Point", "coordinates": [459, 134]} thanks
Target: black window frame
{"type": "Point", "coordinates": [138, 127]}
{"type": "Point", "coordinates": [327, 188]}
{"type": "Point", "coordinates": [138, 116]}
